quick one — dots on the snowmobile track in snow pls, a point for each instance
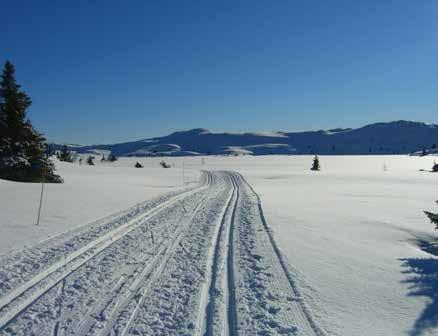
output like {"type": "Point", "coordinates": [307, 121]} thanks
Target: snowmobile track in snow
{"type": "Point", "coordinates": [202, 262]}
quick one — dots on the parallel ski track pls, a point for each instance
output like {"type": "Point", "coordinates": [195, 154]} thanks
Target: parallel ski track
{"type": "Point", "coordinates": [49, 278]}
{"type": "Point", "coordinates": [151, 271]}
{"type": "Point", "coordinates": [303, 311]}
{"type": "Point", "coordinates": [129, 292]}
{"type": "Point", "coordinates": [158, 269]}
{"type": "Point", "coordinates": [231, 294]}
{"type": "Point", "coordinates": [208, 300]}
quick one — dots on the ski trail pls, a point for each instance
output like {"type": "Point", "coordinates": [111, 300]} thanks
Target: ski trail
{"type": "Point", "coordinates": [173, 299]}
{"type": "Point", "coordinates": [209, 292]}
{"type": "Point", "coordinates": [160, 267]}
{"type": "Point", "coordinates": [150, 272]}
{"type": "Point", "coordinates": [301, 315]}
{"type": "Point", "coordinates": [212, 268]}
{"type": "Point", "coordinates": [56, 328]}
{"type": "Point", "coordinates": [15, 302]}
{"type": "Point", "coordinates": [231, 297]}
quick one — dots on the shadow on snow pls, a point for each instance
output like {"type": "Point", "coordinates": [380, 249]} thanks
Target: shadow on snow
{"type": "Point", "coordinates": [423, 281]}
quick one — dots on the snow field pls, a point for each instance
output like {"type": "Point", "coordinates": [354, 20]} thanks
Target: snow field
{"type": "Point", "coordinates": [336, 252]}
{"type": "Point", "coordinates": [350, 234]}
{"type": "Point", "coordinates": [56, 261]}
{"type": "Point", "coordinates": [88, 193]}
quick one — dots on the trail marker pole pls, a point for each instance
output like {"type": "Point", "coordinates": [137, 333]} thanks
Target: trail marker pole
{"type": "Point", "coordinates": [183, 173]}
{"type": "Point", "coordinates": [41, 199]}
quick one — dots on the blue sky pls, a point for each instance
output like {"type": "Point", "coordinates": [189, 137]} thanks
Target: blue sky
{"type": "Point", "coordinates": [109, 71]}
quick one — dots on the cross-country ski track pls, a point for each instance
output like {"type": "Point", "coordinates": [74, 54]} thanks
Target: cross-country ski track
{"type": "Point", "coordinates": [200, 261]}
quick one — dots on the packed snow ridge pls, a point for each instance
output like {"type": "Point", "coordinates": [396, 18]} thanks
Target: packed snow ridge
{"type": "Point", "coordinates": [398, 137]}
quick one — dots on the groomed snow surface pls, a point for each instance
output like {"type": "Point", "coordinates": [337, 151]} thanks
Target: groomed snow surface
{"type": "Point", "coordinates": [250, 246]}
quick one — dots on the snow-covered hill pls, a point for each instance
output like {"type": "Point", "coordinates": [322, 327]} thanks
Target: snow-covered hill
{"type": "Point", "coordinates": [398, 137]}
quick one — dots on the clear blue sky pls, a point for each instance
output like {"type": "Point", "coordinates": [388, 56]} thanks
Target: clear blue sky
{"type": "Point", "coordinates": [107, 71]}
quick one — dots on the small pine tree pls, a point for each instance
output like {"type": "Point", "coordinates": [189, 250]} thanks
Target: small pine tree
{"type": "Point", "coordinates": [424, 152]}
{"type": "Point", "coordinates": [49, 149]}
{"type": "Point", "coordinates": [138, 165]}
{"type": "Point", "coordinates": [435, 167]}
{"type": "Point", "coordinates": [90, 160]}
{"type": "Point", "coordinates": [433, 218]}
{"type": "Point", "coordinates": [66, 154]}
{"type": "Point", "coordinates": [112, 157]}
{"type": "Point", "coordinates": [316, 166]}
{"type": "Point", "coordinates": [103, 158]}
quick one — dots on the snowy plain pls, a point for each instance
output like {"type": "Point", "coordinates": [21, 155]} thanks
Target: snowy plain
{"type": "Point", "coordinates": [351, 232]}
{"type": "Point", "coordinates": [87, 194]}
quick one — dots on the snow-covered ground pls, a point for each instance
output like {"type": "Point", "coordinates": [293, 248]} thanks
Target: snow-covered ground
{"type": "Point", "coordinates": [89, 193]}
{"type": "Point", "coordinates": [351, 233]}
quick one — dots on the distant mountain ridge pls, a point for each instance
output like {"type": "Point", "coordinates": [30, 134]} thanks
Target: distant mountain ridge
{"type": "Point", "coordinates": [397, 137]}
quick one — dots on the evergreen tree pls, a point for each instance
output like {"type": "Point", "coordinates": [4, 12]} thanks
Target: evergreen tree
{"type": "Point", "coordinates": [22, 149]}
{"type": "Point", "coordinates": [433, 218]}
{"type": "Point", "coordinates": [316, 166]}
{"type": "Point", "coordinates": [49, 149]}
{"type": "Point", "coordinates": [112, 157]}
{"type": "Point", "coordinates": [138, 165]}
{"type": "Point", "coordinates": [90, 160]}
{"type": "Point", "coordinates": [66, 154]}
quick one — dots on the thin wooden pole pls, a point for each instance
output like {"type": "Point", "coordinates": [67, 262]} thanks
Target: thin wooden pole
{"type": "Point", "coordinates": [183, 173]}
{"type": "Point", "coordinates": [41, 202]}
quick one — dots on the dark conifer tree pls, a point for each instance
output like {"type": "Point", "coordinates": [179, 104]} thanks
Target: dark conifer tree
{"type": "Point", "coordinates": [66, 154]}
{"type": "Point", "coordinates": [22, 149]}
{"type": "Point", "coordinates": [90, 161]}
{"type": "Point", "coordinates": [433, 218]}
{"type": "Point", "coordinates": [49, 149]}
{"type": "Point", "coordinates": [316, 166]}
